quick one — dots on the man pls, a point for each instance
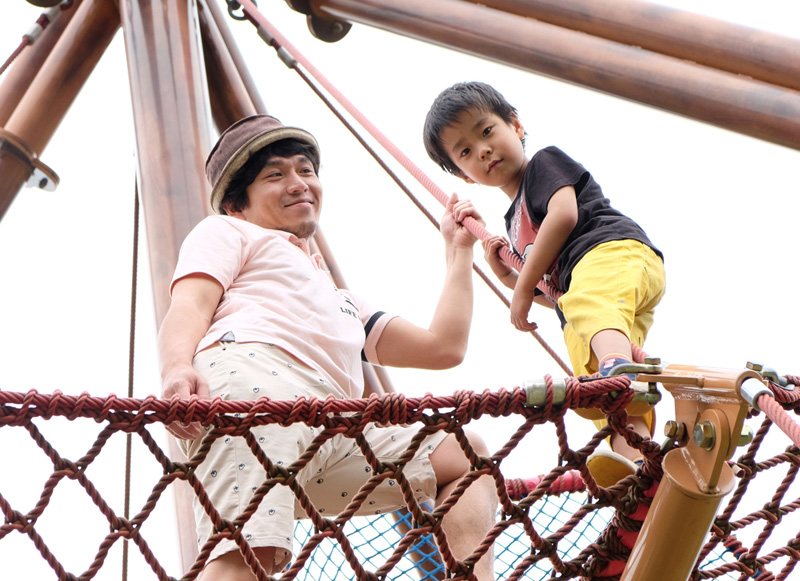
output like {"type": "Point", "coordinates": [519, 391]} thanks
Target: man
{"type": "Point", "coordinates": [254, 315]}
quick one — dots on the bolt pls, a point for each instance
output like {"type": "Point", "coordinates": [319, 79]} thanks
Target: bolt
{"type": "Point", "coordinates": [673, 429]}
{"type": "Point", "coordinates": [652, 360]}
{"type": "Point", "coordinates": [746, 436]}
{"type": "Point", "coordinates": [704, 435]}
{"type": "Point", "coordinates": [753, 366]}
{"type": "Point", "coordinates": [337, 28]}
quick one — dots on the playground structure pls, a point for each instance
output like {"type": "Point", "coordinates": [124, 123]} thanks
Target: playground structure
{"type": "Point", "coordinates": [25, 145]}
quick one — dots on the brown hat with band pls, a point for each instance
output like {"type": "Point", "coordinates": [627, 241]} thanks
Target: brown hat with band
{"type": "Point", "coordinates": [241, 140]}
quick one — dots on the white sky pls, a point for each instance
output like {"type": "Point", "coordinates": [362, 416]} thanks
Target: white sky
{"type": "Point", "coordinates": [722, 207]}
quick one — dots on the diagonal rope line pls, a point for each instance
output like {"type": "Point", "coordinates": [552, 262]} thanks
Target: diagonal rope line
{"type": "Point", "coordinates": [291, 56]}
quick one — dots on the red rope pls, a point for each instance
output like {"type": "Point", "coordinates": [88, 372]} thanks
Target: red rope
{"type": "Point", "coordinates": [278, 41]}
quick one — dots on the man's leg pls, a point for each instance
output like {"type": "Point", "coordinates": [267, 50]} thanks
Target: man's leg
{"type": "Point", "coordinates": [471, 518]}
{"type": "Point", "coordinates": [232, 566]}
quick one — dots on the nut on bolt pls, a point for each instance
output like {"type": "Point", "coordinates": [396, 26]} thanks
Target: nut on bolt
{"type": "Point", "coordinates": [674, 430]}
{"type": "Point", "coordinates": [746, 436]}
{"type": "Point", "coordinates": [704, 435]}
{"type": "Point", "coordinates": [754, 366]}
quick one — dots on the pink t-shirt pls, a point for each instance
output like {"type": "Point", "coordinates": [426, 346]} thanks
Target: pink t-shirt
{"type": "Point", "coordinates": [276, 292]}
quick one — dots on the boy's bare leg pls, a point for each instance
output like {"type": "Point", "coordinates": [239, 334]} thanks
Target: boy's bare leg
{"type": "Point", "coordinates": [610, 342]}
{"type": "Point", "coordinates": [473, 515]}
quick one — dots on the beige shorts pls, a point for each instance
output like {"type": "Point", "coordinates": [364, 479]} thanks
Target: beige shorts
{"type": "Point", "coordinates": [231, 473]}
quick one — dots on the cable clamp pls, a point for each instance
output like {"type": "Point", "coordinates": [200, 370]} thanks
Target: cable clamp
{"type": "Point", "coordinates": [41, 176]}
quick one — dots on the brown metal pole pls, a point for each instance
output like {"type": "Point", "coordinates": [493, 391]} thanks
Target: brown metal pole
{"type": "Point", "coordinates": [738, 49]}
{"type": "Point", "coordinates": [49, 96]}
{"type": "Point", "coordinates": [227, 92]}
{"type": "Point", "coordinates": [172, 133]}
{"type": "Point", "coordinates": [233, 49]}
{"type": "Point", "coordinates": [676, 524]}
{"type": "Point", "coordinates": [723, 99]}
{"type": "Point", "coordinates": [172, 139]}
{"type": "Point", "coordinates": [19, 77]}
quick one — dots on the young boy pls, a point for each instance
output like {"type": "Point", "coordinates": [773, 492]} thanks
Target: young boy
{"type": "Point", "coordinates": [598, 265]}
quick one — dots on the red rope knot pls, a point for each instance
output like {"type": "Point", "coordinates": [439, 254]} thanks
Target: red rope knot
{"type": "Point", "coordinates": [515, 512]}
{"type": "Point", "coordinates": [63, 465]}
{"type": "Point", "coordinates": [15, 520]}
{"type": "Point", "coordinates": [227, 530]}
{"type": "Point", "coordinates": [426, 520]}
{"type": "Point", "coordinates": [462, 571]}
{"type": "Point", "coordinates": [122, 526]}
{"type": "Point", "coordinates": [732, 543]}
{"type": "Point", "coordinates": [772, 514]}
{"type": "Point", "coordinates": [326, 527]}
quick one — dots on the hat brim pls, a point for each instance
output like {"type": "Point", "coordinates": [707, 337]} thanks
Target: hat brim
{"type": "Point", "coordinates": [240, 157]}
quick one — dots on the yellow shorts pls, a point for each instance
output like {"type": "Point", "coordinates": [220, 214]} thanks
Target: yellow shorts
{"type": "Point", "coordinates": [616, 285]}
{"type": "Point", "coordinates": [231, 473]}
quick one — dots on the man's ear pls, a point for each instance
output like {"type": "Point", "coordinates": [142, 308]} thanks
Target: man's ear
{"type": "Point", "coordinates": [227, 207]}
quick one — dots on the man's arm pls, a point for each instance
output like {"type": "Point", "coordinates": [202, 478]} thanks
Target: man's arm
{"type": "Point", "coordinates": [444, 343]}
{"type": "Point", "coordinates": [194, 300]}
{"type": "Point", "coordinates": [561, 218]}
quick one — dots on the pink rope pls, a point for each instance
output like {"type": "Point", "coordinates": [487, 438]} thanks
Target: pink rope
{"type": "Point", "coordinates": [475, 227]}
{"type": "Point", "coordinates": [780, 417]}
{"type": "Point", "coordinates": [278, 41]}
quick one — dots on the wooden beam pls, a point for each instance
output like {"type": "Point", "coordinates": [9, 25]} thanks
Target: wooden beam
{"type": "Point", "coordinates": [708, 41]}
{"type": "Point", "coordinates": [723, 99]}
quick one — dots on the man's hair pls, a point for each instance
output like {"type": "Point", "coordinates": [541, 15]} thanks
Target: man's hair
{"type": "Point", "coordinates": [235, 198]}
{"type": "Point", "coordinates": [449, 105]}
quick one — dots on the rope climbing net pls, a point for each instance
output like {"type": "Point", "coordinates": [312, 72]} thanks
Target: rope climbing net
{"type": "Point", "coordinates": [559, 525]}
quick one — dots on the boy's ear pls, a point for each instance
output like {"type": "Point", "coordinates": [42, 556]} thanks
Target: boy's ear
{"type": "Point", "coordinates": [518, 128]}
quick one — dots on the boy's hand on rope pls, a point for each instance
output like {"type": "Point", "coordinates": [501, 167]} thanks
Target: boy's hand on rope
{"type": "Point", "coordinates": [183, 383]}
{"type": "Point", "coordinates": [520, 306]}
{"type": "Point", "coordinates": [452, 225]}
{"type": "Point", "coordinates": [491, 249]}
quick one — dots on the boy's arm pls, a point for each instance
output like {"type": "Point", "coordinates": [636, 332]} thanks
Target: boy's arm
{"type": "Point", "coordinates": [562, 215]}
{"type": "Point", "coordinates": [444, 343]}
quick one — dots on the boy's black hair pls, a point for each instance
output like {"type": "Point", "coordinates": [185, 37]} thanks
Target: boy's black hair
{"type": "Point", "coordinates": [449, 105]}
{"type": "Point", "coordinates": [235, 198]}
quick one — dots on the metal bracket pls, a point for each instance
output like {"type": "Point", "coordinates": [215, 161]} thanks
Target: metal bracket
{"type": "Point", "coordinates": [41, 176]}
{"type": "Point", "coordinates": [710, 407]}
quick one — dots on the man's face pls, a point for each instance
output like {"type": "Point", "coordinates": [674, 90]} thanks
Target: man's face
{"type": "Point", "coordinates": [286, 195]}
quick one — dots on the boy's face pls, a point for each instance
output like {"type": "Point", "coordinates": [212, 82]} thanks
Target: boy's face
{"type": "Point", "coordinates": [486, 149]}
{"type": "Point", "coordinates": [286, 195]}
